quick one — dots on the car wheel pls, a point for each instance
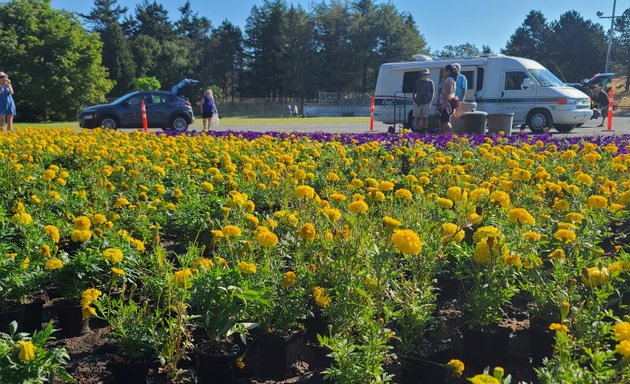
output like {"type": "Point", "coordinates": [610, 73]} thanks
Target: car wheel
{"type": "Point", "coordinates": [539, 120]}
{"type": "Point", "coordinates": [179, 123]}
{"type": "Point", "coordinates": [108, 122]}
{"type": "Point", "coordinates": [564, 128]}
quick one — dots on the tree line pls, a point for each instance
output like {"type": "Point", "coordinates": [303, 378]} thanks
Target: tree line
{"type": "Point", "coordinates": [61, 61]}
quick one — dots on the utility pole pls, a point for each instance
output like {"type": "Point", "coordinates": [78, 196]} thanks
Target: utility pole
{"type": "Point", "coordinates": [610, 32]}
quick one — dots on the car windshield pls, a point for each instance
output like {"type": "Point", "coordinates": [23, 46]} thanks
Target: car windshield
{"type": "Point", "coordinates": [123, 98]}
{"type": "Point", "coordinates": [545, 78]}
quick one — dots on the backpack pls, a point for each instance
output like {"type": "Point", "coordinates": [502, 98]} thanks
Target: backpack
{"type": "Point", "coordinates": [426, 93]}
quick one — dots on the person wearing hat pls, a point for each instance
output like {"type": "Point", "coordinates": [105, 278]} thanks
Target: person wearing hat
{"type": "Point", "coordinates": [461, 84]}
{"type": "Point", "coordinates": [7, 105]}
{"type": "Point", "coordinates": [422, 98]}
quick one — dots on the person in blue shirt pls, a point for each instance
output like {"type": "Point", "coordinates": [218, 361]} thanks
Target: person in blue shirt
{"type": "Point", "coordinates": [208, 108]}
{"type": "Point", "coordinates": [462, 83]}
{"type": "Point", "coordinates": [7, 105]}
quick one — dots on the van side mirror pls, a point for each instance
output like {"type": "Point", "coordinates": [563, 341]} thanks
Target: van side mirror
{"type": "Point", "coordinates": [527, 83]}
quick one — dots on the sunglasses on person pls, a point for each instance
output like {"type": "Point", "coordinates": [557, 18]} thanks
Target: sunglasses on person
{"type": "Point", "coordinates": [2, 77]}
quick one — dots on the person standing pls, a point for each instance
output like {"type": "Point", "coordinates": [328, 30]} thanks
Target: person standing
{"type": "Point", "coordinates": [7, 105]}
{"type": "Point", "coordinates": [461, 85]}
{"type": "Point", "coordinates": [208, 108]}
{"type": "Point", "coordinates": [601, 97]}
{"type": "Point", "coordinates": [290, 113]}
{"type": "Point", "coordinates": [296, 111]}
{"type": "Point", "coordinates": [422, 98]}
{"type": "Point", "coordinates": [445, 95]}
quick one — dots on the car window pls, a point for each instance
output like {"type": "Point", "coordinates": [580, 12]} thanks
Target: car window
{"type": "Point", "coordinates": [514, 80]}
{"type": "Point", "coordinates": [134, 100]}
{"type": "Point", "coordinates": [157, 98]}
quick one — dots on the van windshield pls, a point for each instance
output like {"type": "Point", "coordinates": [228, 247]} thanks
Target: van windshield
{"type": "Point", "coordinates": [545, 78]}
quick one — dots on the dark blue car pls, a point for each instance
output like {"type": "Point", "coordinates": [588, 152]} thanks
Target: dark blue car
{"type": "Point", "coordinates": [164, 110]}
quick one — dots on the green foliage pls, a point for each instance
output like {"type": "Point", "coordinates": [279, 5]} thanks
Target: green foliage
{"type": "Point", "coordinates": [148, 83]}
{"type": "Point", "coordinates": [56, 66]}
{"type": "Point", "coordinates": [47, 365]}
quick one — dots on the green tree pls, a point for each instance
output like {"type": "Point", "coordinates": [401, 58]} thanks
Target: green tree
{"type": "Point", "coordinates": [117, 56]}
{"type": "Point", "coordinates": [530, 39]}
{"type": "Point", "coordinates": [297, 51]}
{"type": "Point", "coordinates": [462, 50]}
{"type": "Point", "coordinates": [55, 64]}
{"type": "Point", "coordinates": [622, 44]}
{"type": "Point", "coordinates": [577, 46]}
{"type": "Point", "coordinates": [147, 84]}
{"type": "Point", "coordinates": [223, 59]}
{"type": "Point", "coordinates": [152, 20]}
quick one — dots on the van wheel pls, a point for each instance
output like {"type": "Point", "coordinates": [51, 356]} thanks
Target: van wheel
{"type": "Point", "coordinates": [539, 120]}
{"type": "Point", "coordinates": [564, 128]}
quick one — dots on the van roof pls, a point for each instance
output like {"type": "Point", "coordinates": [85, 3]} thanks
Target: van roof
{"type": "Point", "coordinates": [464, 61]}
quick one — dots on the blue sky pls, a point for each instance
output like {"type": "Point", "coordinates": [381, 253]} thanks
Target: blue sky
{"type": "Point", "coordinates": [489, 22]}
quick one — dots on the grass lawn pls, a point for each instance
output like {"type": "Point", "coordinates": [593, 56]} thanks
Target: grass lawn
{"type": "Point", "coordinates": [226, 122]}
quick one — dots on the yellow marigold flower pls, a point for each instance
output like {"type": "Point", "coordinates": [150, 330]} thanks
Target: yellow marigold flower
{"type": "Point", "coordinates": [584, 178]}
{"type": "Point", "coordinates": [53, 264]}
{"type": "Point", "coordinates": [359, 206]}
{"type": "Point", "coordinates": [375, 194]}
{"type": "Point", "coordinates": [483, 379]}
{"type": "Point", "coordinates": [203, 262]}
{"type": "Point", "coordinates": [87, 312]}
{"type": "Point", "coordinates": [565, 235]}
{"type": "Point", "coordinates": [483, 254]}
{"type": "Point", "coordinates": [338, 197]}
{"type": "Point", "coordinates": [390, 222]}
{"type": "Point", "coordinates": [521, 174]}
{"type": "Point", "coordinates": [304, 192]}
{"type": "Point", "coordinates": [512, 259]}
{"type": "Point", "coordinates": [114, 255]}
{"type": "Point", "coordinates": [595, 276]}
{"type": "Point", "coordinates": [404, 194]}
{"type": "Point", "coordinates": [479, 194]}
{"type": "Point", "coordinates": [80, 236]}
{"type": "Point", "coordinates": [623, 348]}
{"type": "Point", "coordinates": [619, 266]}
{"type": "Point", "coordinates": [25, 263]}
{"type": "Point", "coordinates": [574, 217]}
{"type": "Point", "coordinates": [239, 363]}
{"type": "Point", "coordinates": [558, 254]}
{"type": "Point", "coordinates": [22, 218]}
{"type": "Point", "coordinates": [485, 232]}
{"type": "Point", "coordinates": [622, 331]}
{"type": "Point", "coordinates": [252, 219]}
{"type": "Point", "coordinates": [357, 183]}
{"type": "Point", "coordinates": [121, 202]}
{"type": "Point", "coordinates": [624, 199]}
{"type": "Point", "coordinates": [18, 207]}
{"type": "Point", "coordinates": [332, 214]}
{"type": "Point", "coordinates": [457, 194]}
{"type": "Point", "coordinates": [532, 236]}
{"type": "Point", "coordinates": [117, 271]}
{"type": "Point", "coordinates": [48, 175]}
{"type": "Point", "coordinates": [288, 279]}
{"type": "Point", "coordinates": [406, 241]}
{"type": "Point", "coordinates": [99, 218]}
{"type": "Point", "coordinates": [597, 201]}
{"type": "Point", "coordinates": [456, 367]}
{"type": "Point", "coordinates": [207, 187]}
{"type": "Point", "coordinates": [558, 327]}
{"type": "Point", "coordinates": [332, 177]}
{"type": "Point", "coordinates": [159, 189]}
{"type": "Point", "coordinates": [322, 299]}
{"type": "Point", "coordinates": [501, 198]}
{"type": "Point", "coordinates": [308, 231]}
{"type": "Point", "coordinates": [27, 350]}
{"type": "Point", "coordinates": [89, 296]}
{"type": "Point", "coordinates": [444, 203]}
{"type": "Point", "coordinates": [267, 239]}
{"type": "Point", "coordinates": [560, 205]}
{"type": "Point", "coordinates": [520, 215]}
{"type": "Point", "coordinates": [452, 233]}
{"type": "Point", "coordinates": [385, 186]}
{"type": "Point", "coordinates": [177, 193]}
{"type": "Point", "coordinates": [182, 276]}
{"type": "Point", "coordinates": [230, 231]}
{"type": "Point", "coordinates": [246, 267]}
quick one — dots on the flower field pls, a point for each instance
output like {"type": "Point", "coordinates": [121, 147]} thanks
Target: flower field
{"type": "Point", "coordinates": [383, 258]}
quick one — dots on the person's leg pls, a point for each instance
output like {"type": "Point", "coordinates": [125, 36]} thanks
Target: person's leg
{"type": "Point", "coordinates": [1, 122]}
{"type": "Point", "coordinates": [9, 119]}
{"type": "Point", "coordinates": [205, 124]}
{"type": "Point", "coordinates": [425, 123]}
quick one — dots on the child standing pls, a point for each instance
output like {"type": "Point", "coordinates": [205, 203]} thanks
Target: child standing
{"type": "Point", "coordinates": [7, 105]}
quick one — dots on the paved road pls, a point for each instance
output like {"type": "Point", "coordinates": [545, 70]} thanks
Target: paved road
{"type": "Point", "coordinates": [621, 125]}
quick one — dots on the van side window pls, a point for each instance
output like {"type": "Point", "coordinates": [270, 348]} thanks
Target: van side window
{"type": "Point", "coordinates": [480, 79]}
{"type": "Point", "coordinates": [409, 81]}
{"type": "Point", "coordinates": [514, 80]}
{"type": "Point", "coordinates": [470, 75]}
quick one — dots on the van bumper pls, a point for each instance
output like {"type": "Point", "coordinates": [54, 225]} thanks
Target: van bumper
{"type": "Point", "coordinates": [575, 116]}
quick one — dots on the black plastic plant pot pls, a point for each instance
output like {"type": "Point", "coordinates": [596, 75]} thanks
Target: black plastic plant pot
{"type": "Point", "coordinates": [70, 318]}
{"type": "Point", "coordinates": [277, 352]}
{"type": "Point", "coordinates": [129, 372]}
{"type": "Point", "coordinates": [9, 315]}
{"type": "Point", "coordinates": [541, 344]}
{"type": "Point", "coordinates": [487, 347]}
{"type": "Point", "coordinates": [215, 362]}
{"type": "Point", "coordinates": [33, 315]}
{"type": "Point", "coordinates": [427, 368]}
{"type": "Point", "coordinates": [316, 325]}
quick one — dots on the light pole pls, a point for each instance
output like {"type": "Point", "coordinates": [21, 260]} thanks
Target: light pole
{"type": "Point", "coordinates": [610, 32]}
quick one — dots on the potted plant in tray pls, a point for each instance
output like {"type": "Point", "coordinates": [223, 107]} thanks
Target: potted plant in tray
{"type": "Point", "coordinates": [220, 296]}
{"type": "Point", "coordinates": [136, 331]}
{"type": "Point", "coordinates": [488, 280]}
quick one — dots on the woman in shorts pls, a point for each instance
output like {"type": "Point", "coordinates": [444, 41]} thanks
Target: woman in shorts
{"type": "Point", "coordinates": [208, 108]}
{"type": "Point", "coordinates": [446, 92]}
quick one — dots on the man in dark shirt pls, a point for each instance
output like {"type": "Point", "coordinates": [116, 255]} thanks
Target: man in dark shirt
{"type": "Point", "coordinates": [422, 98]}
{"type": "Point", "coordinates": [601, 97]}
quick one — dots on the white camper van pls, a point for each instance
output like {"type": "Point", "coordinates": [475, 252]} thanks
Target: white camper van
{"type": "Point", "coordinates": [497, 83]}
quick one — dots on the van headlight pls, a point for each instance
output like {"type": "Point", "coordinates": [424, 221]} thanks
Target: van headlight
{"type": "Point", "coordinates": [567, 100]}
